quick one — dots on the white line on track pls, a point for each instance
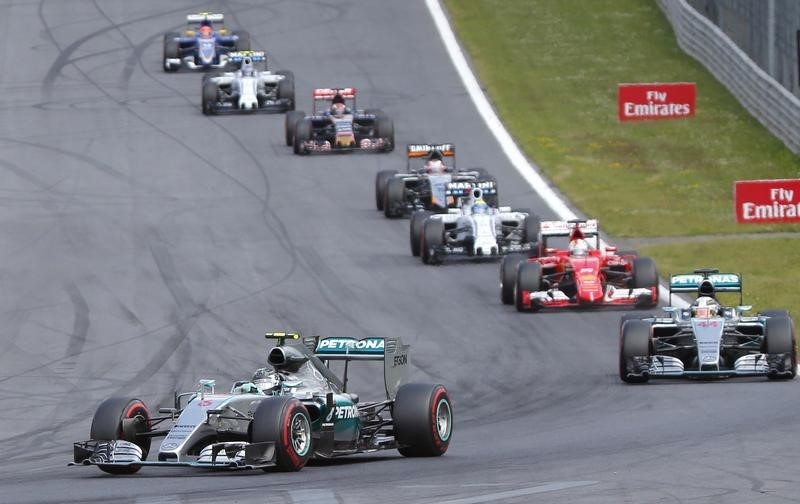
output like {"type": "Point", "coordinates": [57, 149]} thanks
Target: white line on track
{"type": "Point", "coordinates": [526, 168]}
{"type": "Point", "coordinates": [510, 494]}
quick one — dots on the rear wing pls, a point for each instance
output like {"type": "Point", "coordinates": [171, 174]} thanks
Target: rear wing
{"type": "Point", "coordinates": [255, 56]}
{"type": "Point", "coordinates": [706, 282]}
{"type": "Point", "coordinates": [423, 150]}
{"type": "Point", "coordinates": [391, 351]}
{"type": "Point", "coordinates": [204, 16]}
{"type": "Point", "coordinates": [564, 228]}
{"type": "Point", "coordinates": [329, 93]}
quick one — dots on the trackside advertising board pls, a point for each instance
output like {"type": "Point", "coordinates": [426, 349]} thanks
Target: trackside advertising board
{"type": "Point", "coordinates": [672, 100]}
{"type": "Point", "coordinates": [767, 201]}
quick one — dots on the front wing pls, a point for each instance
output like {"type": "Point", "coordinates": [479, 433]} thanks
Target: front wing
{"type": "Point", "coordinates": [614, 296]}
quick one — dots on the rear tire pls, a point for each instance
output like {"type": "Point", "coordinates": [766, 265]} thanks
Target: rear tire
{"type": "Point", "coordinates": [285, 422]}
{"type": "Point", "coordinates": [290, 125]}
{"type": "Point", "coordinates": [634, 342]}
{"type": "Point", "coordinates": [508, 276]}
{"type": "Point", "coordinates": [416, 229]}
{"type": "Point", "coordinates": [395, 198]}
{"type": "Point", "coordinates": [432, 237]}
{"type": "Point", "coordinates": [171, 50]}
{"type": "Point", "coordinates": [645, 275]}
{"type": "Point", "coordinates": [107, 425]}
{"type": "Point", "coordinates": [301, 135]}
{"type": "Point", "coordinates": [422, 416]}
{"type": "Point", "coordinates": [243, 44]}
{"type": "Point", "coordinates": [381, 180]}
{"type": "Point", "coordinates": [530, 229]}
{"type": "Point", "coordinates": [529, 278]}
{"type": "Point", "coordinates": [286, 88]}
{"type": "Point", "coordinates": [779, 338]}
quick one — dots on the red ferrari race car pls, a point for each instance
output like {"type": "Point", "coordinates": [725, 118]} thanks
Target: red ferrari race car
{"type": "Point", "coordinates": [584, 274]}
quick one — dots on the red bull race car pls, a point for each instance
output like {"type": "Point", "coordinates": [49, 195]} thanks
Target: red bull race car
{"type": "Point", "coordinates": [336, 125]}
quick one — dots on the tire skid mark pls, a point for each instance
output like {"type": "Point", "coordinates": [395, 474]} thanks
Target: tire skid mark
{"type": "Point", "coordinates": [81, 322]}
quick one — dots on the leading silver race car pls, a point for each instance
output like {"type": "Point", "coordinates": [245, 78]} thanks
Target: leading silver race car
{"type": "Point", "coordinates": [248, 89]}
{"type": "Point", "coordinates": [707, 340]}
{"type": "Point", "coordinates": [474, 230]}
{"type": "Point", "coordinates": [295, 409]}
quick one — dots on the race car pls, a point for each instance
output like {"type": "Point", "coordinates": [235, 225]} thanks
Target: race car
{"type": "Point", "coordinates": [474, 230]}
{"type": "Point", "coordinates": [292, 410]}
{"type": "Point", "coordinates": [707, 339]}
{"type": "Point", "coordinates": [336, 125]}
{"type": "Point", "coordinates": [204, 44]}
{"type": "Point", "coordinates": [582, 275]}
{"type": "Point", "coordinates": [431, 182]}
{"type": "Point", "coordinates": [251, 88]}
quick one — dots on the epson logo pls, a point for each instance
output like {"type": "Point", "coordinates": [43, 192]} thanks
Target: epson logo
{"type": "Point", "coordinates": [351, 344]}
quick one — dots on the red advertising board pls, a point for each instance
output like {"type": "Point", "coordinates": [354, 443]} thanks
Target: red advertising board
{"type": "Point", "coordinates": [659, 100]}
{"type": "Point", "coordinates": [767, 201]}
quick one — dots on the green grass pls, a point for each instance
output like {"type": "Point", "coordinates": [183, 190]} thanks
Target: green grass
{"type": "Point", "coordinates": [551, 68]}
{"type": "Point", "coordinates": [769, 278]}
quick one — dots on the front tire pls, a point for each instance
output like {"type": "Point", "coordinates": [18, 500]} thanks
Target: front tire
{"type": "Point", "coordinates": [432, 238]}
{"type": "Point", "coordinates": [209, 97]}
{"type": "Point", "coordinates": [285, 422]}
{"type": "Point", "coordinates": [416, 228]}
{"type": "Point", "coordinates": [171, 50]}
{"type": "Point", "coordinates": [121, 418]}
{"type": "Point", "coordinates": [634, 342]}
{"type": "Point", "coordinates": [381, 180]}
{"type": "Point", "coordinates": [779, 339]}
{"type": "Point", "coordinates": [394, 198]}
{"type": "Point", "coordinates": [529, 279]}
{"type": "Point", "coordinates": [243, 44]}
{"type": "Point", "coordinates": [290, 125]}
{"type": "Point", "coordinates": [422, 416]}
{"type": "Point", "coordinates": [508, 275]}
{"type": "Point", "coordinates": [302, 135]}
{"type": "Point", "coordinates": [384, 128]}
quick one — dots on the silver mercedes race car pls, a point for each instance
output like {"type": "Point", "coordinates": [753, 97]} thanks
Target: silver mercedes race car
{"type": "Point", "coordinates": [251, 88]}
{"type": "Point", "coordinates": [707, 340]}
{"type": "Point", "coordinates": [473, 230]}
{"type": "Point", "coordinates": [292, 410]}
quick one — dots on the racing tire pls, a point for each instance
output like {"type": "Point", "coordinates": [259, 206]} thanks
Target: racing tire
{"type": "Point", "coordinates": [633, 316]}
{"type": "Point", "coordinates": [285, 422]}
{"type": "Point", "coordinates": [381, 180]}
{"type": "Point", "coordinates": [417, 224]}
{"type": "Point", "coordinates": [209, 97]}
{"type": "Point", "coordinates": [530, 229]}
{"type": "Point", "coordinates": [774, 313]}
{"type": "Point", "coordinates": [779, 338]}
{"type": "Point", "coordinates": [384, 128]}
{"type": "Point", "coordinates": [394, 198]}
{"type": "Point", "coordinates": [508, 275]}
{"type": "Point", "coordinates": [529, 278]}
{"type": "Point", "coordinates": [210, 74]}
{"type": "Point", "coordinates": [286, 88]}
{"type": "Point", "coordinates": [645, 275]}
{"type": "Point", "coordinates": [432, 236]}
{"type": "Point", "coordinates": [302, 133]}
{"type": "Point", "coordinates": [107, 425]}
{"type": "Point", "coordinates": [290, 125]}
{"type": "Point", "coordinates": [243, 44]}
{"type": "Point", "coordinates": [634, 342]}
{"type": "Point", "coordinates": [422, 417]}
{"type": "Point", "coordinates": [171, 50]}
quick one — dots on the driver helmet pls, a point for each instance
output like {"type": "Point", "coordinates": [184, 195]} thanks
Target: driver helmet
{"type": "Point", "coordinates": [480, 207]}
{"type": "Point", "coordinates": [435, 163]}
{"type": "Point", "coordinates": [247, 67]}
{"type": "Point", "coordinates": [206, 32]}
{"type": "Point", "coordinates": [578, 247]}
{"type": "Point", "coordinates": [266, 380]}
{"type": "Point", "coordinates": [338, 109]}
{"type": "Point", "coordinates": [705, 307]}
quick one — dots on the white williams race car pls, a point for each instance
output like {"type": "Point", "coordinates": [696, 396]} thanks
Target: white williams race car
{"type": "Point", "coordinates": [248, 89]}
{"type": "Point", "coordinates": [474, 230]}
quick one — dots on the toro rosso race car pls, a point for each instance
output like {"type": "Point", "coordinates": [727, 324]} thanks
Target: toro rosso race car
{"type": "Point", "coordinates": [291, 411]}
{"type": "Point", "coordinates": [431, 182]}
{"type": "Point", "coordinates": [202, 46]}
{"type": "Point", "coordinates": [707, 340]}
{"type": "Point", "coordinates": [474, 230]}
{"type": "Point", "coordinates": [581, 275]}
{"type": "Point", "coordinates": [248, 89]}
{"type": "Point", "coordinates": [336, 125]}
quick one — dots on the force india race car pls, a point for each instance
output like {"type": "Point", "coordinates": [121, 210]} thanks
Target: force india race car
{"type": "Point", "coordinates": [584, 276]}
{"type": "Point", "coordinates": [287, 413]}
{"type": "Point", "coordinates": [202, 47]}
{"type": "Point", "coordinates": [473, 230]}
{"type": "Point", "coordinates": [336, 125]}
{"type": "Point", "coordinates": [248, 89]}
{"type": "Point", "coordinates": [431, 184]}
{"type": "Point", "coordinates": [707, 340]}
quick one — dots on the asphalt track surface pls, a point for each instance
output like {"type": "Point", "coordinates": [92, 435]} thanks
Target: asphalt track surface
{"type": "Point", "coordinates": [145, 246]}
